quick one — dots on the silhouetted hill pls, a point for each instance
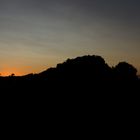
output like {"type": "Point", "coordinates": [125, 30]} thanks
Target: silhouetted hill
{"type": "Point", "coordinates": [80, 68]}
{"type": "Point", "coordinates": [89, 70]}
{"type": "Point", "coordinates": [82, 73]}
{"type": "Point", "coordinates": [80, 90]}
{"type": "Point", "coordinates": [83, 78]}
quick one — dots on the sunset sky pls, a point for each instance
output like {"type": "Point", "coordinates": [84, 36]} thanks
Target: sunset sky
{"type": "Point", "coordinates": [38, 34]}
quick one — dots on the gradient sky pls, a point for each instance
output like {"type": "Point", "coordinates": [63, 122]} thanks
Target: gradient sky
{"type": "Point", "coordinates": [38, 34]}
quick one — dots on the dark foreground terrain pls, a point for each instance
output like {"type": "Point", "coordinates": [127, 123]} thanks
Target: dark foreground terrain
{"type": "Point", "coordinates": [80, 93]}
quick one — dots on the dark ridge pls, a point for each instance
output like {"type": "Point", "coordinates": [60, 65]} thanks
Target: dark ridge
{"type": "Point", "coordinates": [83, 69]}
{"type": "Point", "coordinates": [76, 91]}
{"type": "Point", "coordinates": [84, 72]}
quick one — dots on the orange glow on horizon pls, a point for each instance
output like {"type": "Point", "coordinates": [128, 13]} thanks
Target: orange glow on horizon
{"type": "Point", "coordinates": [8, 72]}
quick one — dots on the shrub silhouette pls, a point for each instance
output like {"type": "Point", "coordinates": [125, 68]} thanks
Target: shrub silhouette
{"type": "Point", "coordinates": [125, 71]}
